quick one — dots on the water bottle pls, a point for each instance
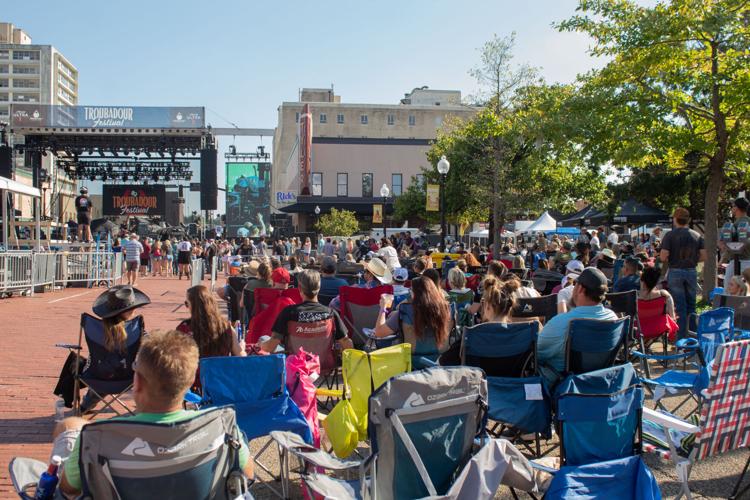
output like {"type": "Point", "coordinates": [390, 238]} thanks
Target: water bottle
{"type": "Point", "coordinates": [45, 489]}
{"type": "Point", "coordinates": [240, 336]}
{"type": "Point", "coordinates": [59, 410]}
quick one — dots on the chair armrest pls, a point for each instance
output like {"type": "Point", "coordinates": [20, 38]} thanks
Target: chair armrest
{"type": "Point", "coordinates": [297, 447]}
{"type": "Point", "coordinates": [669, 421]}
{"type": "Point", "coordinates": [543, 468]}
{"type": "Point", "coordinates": [329, 393]}
{"type": "Point", "coordinates": [69, 346]}
{"type": "Point", "coordinates": [658, 357]}
{"type": "Point", "coordinates": [191, 397]}
{"type": "Point", "coordinates": [426, 362]}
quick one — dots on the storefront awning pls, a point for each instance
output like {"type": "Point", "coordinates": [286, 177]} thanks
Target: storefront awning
{"type": "Point", "coordinates": [358, 205]}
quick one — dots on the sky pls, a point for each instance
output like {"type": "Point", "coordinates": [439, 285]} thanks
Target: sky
{"type": "Point", "coordinates": [241, 58]}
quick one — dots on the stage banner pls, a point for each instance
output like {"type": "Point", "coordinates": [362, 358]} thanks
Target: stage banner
{"type": "Point", "coordinates": [134, 199]}
{"type": "Point", "coordinates": [98, 117]}
{"type": "Point", "coordinates": [433, 197]}
{"type": "Point", "coordinates": [377, 214]}
{"type": "Point", "coordinates": [248, 199]}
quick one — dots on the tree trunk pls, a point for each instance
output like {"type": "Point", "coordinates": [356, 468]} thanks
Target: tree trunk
{"type": "Point", "coordinates": [713, 193]}
{"type": "Point", "coordinates": [497, 213]}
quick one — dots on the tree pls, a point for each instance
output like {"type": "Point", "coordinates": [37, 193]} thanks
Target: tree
{"type": "Point", "coordinates": [338, 223]}
{"type": "Point", "coordinates": [675, 91]}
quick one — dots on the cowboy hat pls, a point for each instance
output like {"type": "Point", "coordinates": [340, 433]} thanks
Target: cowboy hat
{"type": "Point", "coordinates": [119, 299]}
{"type": "Point", "coordinates": [607, 255]}
{"type": "Point", "coordinates": [377, 268]}
{"type": "Point", "coordinates": [251, 268]}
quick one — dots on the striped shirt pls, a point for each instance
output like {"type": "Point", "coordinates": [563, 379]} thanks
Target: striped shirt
{"type": "Point", "coordinates": [133, 249]}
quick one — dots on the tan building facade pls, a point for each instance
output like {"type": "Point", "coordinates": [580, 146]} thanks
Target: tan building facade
{"type": "Point", "coordinates": [41, 74]}
{"type": "Point", "coordinates": [355, 149]}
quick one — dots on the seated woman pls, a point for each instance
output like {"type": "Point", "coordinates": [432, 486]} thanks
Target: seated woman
{"type": "Point", "coordinates": [457, 282]}
{"type": "Point", "coordinates": [737, 286]}
{"type": "Point", "coordinates": [210, 330]}
{"type": "Point", "coordinates": [423, 321]}
{"type": "Point", "coordinates": [649, 279]}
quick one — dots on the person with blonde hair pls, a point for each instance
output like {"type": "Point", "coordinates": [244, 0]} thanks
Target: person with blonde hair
{"type": "Point", "coordinates": [737, 286]}
{"type": "Point", "coordinates": [457, 280]}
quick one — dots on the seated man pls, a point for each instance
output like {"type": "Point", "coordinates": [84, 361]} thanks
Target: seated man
{"type": "Point", "coordinates": [588, 294]}
{"type": "Point", "coordinates": [329, 283]}
{"type": "Point", "coordinates": [631, 276]}
{"type": "Point", "coordinates": [164, 370]}
{"type": "Point", "coordinates": [308, 319]}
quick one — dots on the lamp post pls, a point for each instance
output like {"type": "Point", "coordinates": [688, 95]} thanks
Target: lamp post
{"type": "Point", "coordinates": [317, 214]}
{"type": "Point", "coordinates": [443, 167]}
{"type": "Point", "coordinates": [384, 192]}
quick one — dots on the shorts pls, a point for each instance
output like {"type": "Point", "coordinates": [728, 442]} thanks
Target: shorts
{"type": "Point", "coordinates": [156, 258]}
{"type": "Point", "coordinates": [131, 265]}
{"type": "Point", "coordinates": [183, 257]}
{"type": "Point", "coordinates": [83, 218]}
{"type": "Point", "coordinates": [144, 262]}
{"type": "Point", "coordinates": [169, 257]}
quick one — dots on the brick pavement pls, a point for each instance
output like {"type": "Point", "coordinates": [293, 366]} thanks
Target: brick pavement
{"type": "Point", "coordinates": [30, 364]}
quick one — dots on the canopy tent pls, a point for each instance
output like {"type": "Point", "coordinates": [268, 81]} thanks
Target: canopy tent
{"type": "Point", "coordinates": [545, 222]}
{"type": "Point", "coordinates": [578, 218]}
{"type": "Point", "coordinates": [630, 212]}
{"type": "Point", "coordinates": [14, 187]}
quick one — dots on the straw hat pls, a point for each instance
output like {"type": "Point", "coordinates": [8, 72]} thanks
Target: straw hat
{"type": "Point", "coordinates": [251, 268]}
{"type": "Point", "coordinates": [119, 299]}
{"type": "Point", "coordinates": [378, 269]}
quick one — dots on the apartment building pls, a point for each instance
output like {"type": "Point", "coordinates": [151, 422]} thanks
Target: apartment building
{"type": "Point", "coordinates": [31, 73]}
{"type": "Point", "coordinates": [329, 153]}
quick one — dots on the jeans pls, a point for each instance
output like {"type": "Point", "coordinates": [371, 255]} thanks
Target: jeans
{"type": "Point", "coordinates": [683, 284]}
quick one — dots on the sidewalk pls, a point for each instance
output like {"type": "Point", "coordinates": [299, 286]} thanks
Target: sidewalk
{"type": "Point", "coordinates": [30, 363]}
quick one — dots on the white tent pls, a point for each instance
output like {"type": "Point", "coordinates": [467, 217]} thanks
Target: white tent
{"type": "Point", "coordinates": [521, 225]}
{"type": "Point", "coordinates": [485, 233]}
{"type": "Point", "coordinates": [545, 222]}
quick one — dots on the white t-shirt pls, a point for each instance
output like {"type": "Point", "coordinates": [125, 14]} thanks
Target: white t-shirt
{"type": "Point", "coordinates": [565, 295]}
{"type": "Point", "coordinates": [390, 255]}
{"type": "Point", "coordinates": [613, 238]}
{"type": "Point", "coordinates": [184, 246]}
{"type": "Point", "coordinates": [595, 242]}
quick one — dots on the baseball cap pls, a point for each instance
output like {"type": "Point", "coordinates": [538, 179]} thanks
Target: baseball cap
{"type": "Point", "coordinates": [574, 266]}
{"type": "Point", "coordinates": [280, 275]}
{"type": "Point", "coordinates": [400, 274]}
{"type": "Point", "coordinates": [742, 203]}
{"type": "Point", "coordinates": [593, 279]}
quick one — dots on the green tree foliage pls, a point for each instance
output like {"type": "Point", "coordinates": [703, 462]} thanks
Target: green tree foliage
{"type": "Point", "coordinates": [675, 92]}
{"type": "Point", "coordinates": [338, 223]}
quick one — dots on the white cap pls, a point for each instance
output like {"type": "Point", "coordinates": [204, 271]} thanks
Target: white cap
{"type": "Point", "coordinates": [56, 460]}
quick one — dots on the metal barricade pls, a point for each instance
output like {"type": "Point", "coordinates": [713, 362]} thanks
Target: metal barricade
{"type": "Point", "coordinates": [196, 272]}
{"type": "Point", "coordinates": [214, 269]}
{"type": "Point", "coordinates": [43, 271]}
{"type": "Point", "coordinates": [16, 272]}
{"type": "Point", "coordinates": [87, 269]}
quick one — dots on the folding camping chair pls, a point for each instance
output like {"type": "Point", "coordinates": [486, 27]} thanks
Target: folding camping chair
{"type": "Point", "coordinates": [462, 318]}
{"type": "Point", "coordinates": [522, 274]}
{"type": "Point", "coordinates": [724, 420]}
{"type": "Point", "coordinates": [359, 310]}
{"type": "Point", "coordinates": [518, 396]}
{"type": "Point", "coordinates": [653, 323]}
{"type": "Point", "coordinates": [411, 416]}
{"type": "Point", "coordinates": [714, 328]}
{"type": "Point", "coordinates": [108, 375]}
{"type": "Point", "coordinates": [741, 307]}
{"type": "Point", "coordinates": [544, 307]}
{"type": "Point", "coordinates": [128, 460]}
{"type": "Point", "coordinates": [256, 387]}
{"type": "Point", "coordinates": [594, 344]}
{"type": "Point", "coordinates": [545, 281]}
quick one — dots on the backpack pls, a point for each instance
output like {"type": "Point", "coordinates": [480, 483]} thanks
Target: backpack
{"type": "Point", "coordinates": [302, 369]}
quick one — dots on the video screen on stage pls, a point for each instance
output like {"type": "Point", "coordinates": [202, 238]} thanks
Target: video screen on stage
{"type": "Point", "coordinates": [133, 199]}
{"type": "Point", "coordinates": [248, 199]}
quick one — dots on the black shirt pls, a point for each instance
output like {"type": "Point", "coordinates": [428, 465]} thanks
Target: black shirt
{"type": "Point", "coordinates": [308, 316]}
{"type": "Point", "coordinates": [83, 204]}
{"type": "Point", "coordinates": [684, 246]}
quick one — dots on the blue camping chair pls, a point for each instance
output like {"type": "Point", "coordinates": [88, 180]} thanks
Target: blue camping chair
{"type": "Point", "coordinates": [599, 415]}
{"type": "Point", "coordinates": [594, 344]}
{"type": "Point", "coordinates": [256, 387]}
{"type": "Point", "coordinates": [518, 397]}
{"type": "Point", "coordinates": [715, 327]}
{"type": "Point", "coordinates": [108, 375]}
{"type": "Point", "coordinates": [624, 478]}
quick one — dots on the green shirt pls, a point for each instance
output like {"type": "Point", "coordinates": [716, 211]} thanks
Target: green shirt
{"type": "Point", "coordinates": [72, 468]}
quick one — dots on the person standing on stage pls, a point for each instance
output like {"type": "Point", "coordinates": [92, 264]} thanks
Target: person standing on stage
{"type": "Point", "coordinates": [83, 210]}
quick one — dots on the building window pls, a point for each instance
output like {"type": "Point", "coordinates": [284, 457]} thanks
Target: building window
{"type": "Point", "coordinates": [412, 120]}
{"type": "Point", "coordinates": [367, 185]}
{"type": "Point", "coordinates": [317, 184]}
{"type": "Point", "coordinates": [420, 180]}
{"type": "Point", "coordinates": [4, 55]}
{"type": "Point", "coordinates": [296, 117]}
{"type": "Point", "coordinates": [4, 68]}
{"type": "Point", "coordinates": [391, 119]}
{"type": "Point", "coordinates": [25, 70]}
{"type": "Point", "coordinates": [25, 55]}
{"type": "Point", "coordinates": [323, 118]}
{"type": "Point", "coordinates": [25, 84]}
{"type": "Point", "coordinates": [342, 184]}
{"type": "Point", "coordinates": [363, 119]}
{"type": "Point", "coordinates": [396, 184]}
{"type": "Point", "coordinates": [3, 83]}
{"type": "Point", "coordinates": [339, 118]}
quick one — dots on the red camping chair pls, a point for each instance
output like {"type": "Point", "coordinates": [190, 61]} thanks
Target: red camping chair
{"type": "Point", "coordinates": [473, 282]}
{"type": "Point", "coordinates": [359, 309]}
{"type": "Point", "coordinates": [654, 323]}
{"type": "Point", "coordinates": [268, 304]}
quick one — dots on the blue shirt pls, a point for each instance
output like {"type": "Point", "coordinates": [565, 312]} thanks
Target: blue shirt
{"type": "Point", "coordinates": [628, 283]}
{"type": "Point", "coordinates": [133, 249]}
{"type": "Point", "coordinates": [551, 343]}
{"type": "Point", "coordinates": [329, 285]}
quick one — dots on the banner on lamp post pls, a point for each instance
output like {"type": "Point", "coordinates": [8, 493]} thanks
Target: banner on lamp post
{"type": "Point", "coordinates": [433, 197]}
{"type": "Point", "coordinates": [377, 214]}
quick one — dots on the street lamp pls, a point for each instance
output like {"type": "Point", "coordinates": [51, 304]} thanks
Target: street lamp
{"type": "Point", "coordinates": [443, 167]}
{"type": "Point", "coordinates": [317, 214]}
{"type": "Point", "coordinates": [384, 192]}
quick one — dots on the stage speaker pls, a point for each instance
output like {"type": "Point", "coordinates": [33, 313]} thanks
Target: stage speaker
{"type": "Point", "coordinates": [6, 162]}
{"type": "Point", "coordinates": [209, 186]}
